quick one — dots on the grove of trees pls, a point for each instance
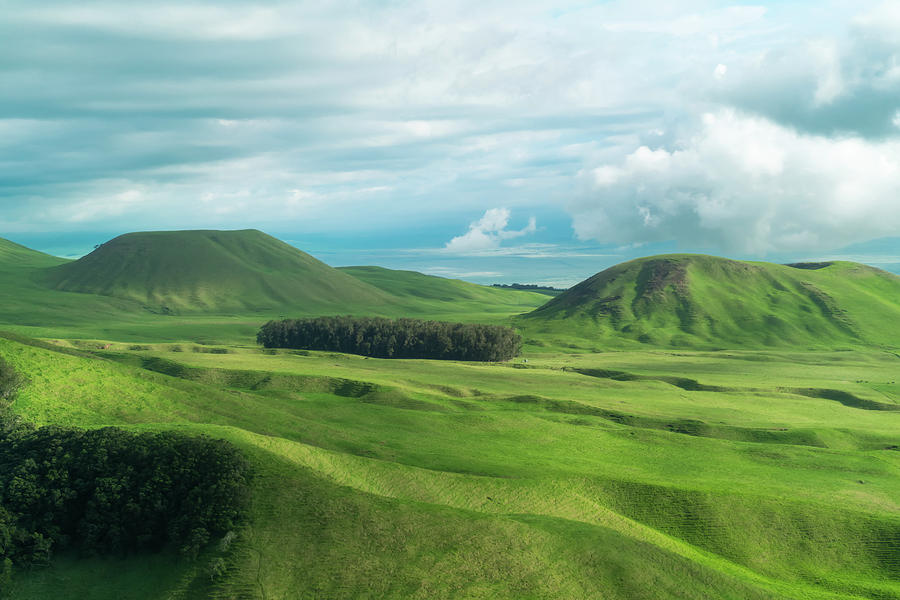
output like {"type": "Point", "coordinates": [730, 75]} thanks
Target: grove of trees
{"type": "Point", "coordinates": [109, 491]}
{"type": "Point", "coordinates": [388, 338]}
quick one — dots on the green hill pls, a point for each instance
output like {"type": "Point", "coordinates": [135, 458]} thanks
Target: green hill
{"type": "Point", "coordinates": [705, 301]}
{"type": "Point", "coordinates": [178, 271]}
{"type": "Point", "coordinates": [212, 286]}
{"type": "Point", "coordinates": [427, 293]}
{"type": "Point", "coordinates": [14, 256]}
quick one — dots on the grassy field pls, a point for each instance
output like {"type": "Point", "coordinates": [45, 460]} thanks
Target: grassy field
{"type": "Point", "coordinates": [616, 475]}
{"type": "Point", "coordinates": [600, 464]}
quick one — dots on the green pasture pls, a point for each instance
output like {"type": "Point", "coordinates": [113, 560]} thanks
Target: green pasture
{"type": "Point", "coordinates": [678, 427]}
{"type": "Point", "coordinates": [424, 479]}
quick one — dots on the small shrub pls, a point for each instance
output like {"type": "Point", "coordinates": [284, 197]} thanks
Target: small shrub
{"type": "Point", "coordinates": [226, 540]}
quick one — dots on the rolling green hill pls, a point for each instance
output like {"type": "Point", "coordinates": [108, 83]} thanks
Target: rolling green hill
{"type": "Point", "coordinates": [649, 474]}
{"type": "Point", "coordinates": [14, 256]}
{"type": "Point", "coordinates": [581, 476]}
{"type": "Point", "coordinates": [431, 293]}
{"type": "Point", "coordinates": [212, 271]}
{"type": "Point", "coordinates": [705, 301]}
{"type": "Point", "coordinates": [208, 286]}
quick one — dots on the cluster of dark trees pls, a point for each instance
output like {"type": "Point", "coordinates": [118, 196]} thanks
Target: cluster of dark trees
{"type": "Point", "coordinates": [112, 492]}
{"type": "Point", "coordinates": [388, 338]}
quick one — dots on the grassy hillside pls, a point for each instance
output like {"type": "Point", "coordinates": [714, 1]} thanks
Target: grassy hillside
{"type": "Point", "coordinates": [14, 257]}
{"type": "Point", "coordinates": [705, 301]}
{"type": "Point", "coordinates": [172, 271]}
{"type": "Point", "coordinates": [433, 294]}
{"type": "Point", "coordinates": [579, 476]}
{"type": "Point", "coordinates": [745, 474]}
{"type": "Point", "coordinates": [209, 287]}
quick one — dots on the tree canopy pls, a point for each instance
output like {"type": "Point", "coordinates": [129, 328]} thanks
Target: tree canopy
{"type": "Point", "coordinates": [110, 491]}
{"type": "Point", "coordinates": [388, 338]}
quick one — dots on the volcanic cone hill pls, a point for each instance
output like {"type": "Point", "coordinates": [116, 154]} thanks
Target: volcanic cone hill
{"type": "Point", "coordinates": [705, 301]}
{"type": "Point", "coordinates": [178, 271]}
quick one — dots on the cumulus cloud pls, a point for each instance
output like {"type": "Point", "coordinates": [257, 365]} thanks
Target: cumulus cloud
{"type": "Point", "coordinates": [488, 232]}
{"type": "Point", "coordinates": [746, 184]}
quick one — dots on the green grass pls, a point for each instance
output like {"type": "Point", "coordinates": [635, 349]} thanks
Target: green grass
{"type": "Point", "coordinates": [216, 286]}
{"type": "Point", "coordinates": [626, 455]}
{"type": "Point", "coordinates": [433, 294]}
{"type": "Point", "coordinates": [417, 479]}
{"type": "Point", "coordinates": [695, 301]}
{"type": "Point", "coordinates": [211, 271]}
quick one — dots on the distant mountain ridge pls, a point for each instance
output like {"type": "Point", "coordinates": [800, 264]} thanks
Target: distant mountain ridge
{"type": "Point", "coordinates": [698, 300]}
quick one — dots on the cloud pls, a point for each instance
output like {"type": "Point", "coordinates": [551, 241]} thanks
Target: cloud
{"type": "Point", "coordinates": [448, 105]}
{"type": "Point", "coordinates": [838, 84]}
{"type": "Point", "coordinates": [745, 184]}
{"type": "Point", "coordinates": [488, 232]}
{"type": "Point", "coordinates": [335, 117]}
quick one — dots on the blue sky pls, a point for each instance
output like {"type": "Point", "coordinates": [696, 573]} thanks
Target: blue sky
{"type": "Point", "coordinates": [466, 139]}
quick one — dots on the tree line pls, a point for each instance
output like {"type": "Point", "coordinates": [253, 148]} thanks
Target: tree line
{"type": "Point", "coordinates": [388, 338]}
{"type": "Point", "coordinates": [111, 492]}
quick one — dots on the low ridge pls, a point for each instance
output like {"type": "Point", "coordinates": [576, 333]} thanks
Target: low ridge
{"type": "Point", "coordinates": [697, 300]}
{"type": "Point", "coordinates": [176, 271]}
{"type": "Point", "coordinates": [16, 256]}
{"type": "Point", "coordinates": [431, 289]}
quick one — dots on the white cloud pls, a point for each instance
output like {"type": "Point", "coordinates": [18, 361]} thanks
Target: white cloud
{"type": "Point", "coordinates": [488, 232]}
{"type": "Point", "coordinates": [746, 184]}
{"type": "Point", "coordinates": [830, 82]}
{"type": "Point", "coordinates": [331, 116]}
{"type": "Point", "coordinates": [834, 84]}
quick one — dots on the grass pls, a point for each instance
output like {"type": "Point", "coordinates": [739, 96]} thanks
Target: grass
{"type": "Point", "coordinates": [414, 479]}
{"type": "Point", "coordinates": [695, 301]}
{"type": "Point", "coordinates": [210, 271]}
{"type": "Point", "coordinates": [727, 455]}
{"type": "Point", "coordinates": [213, 286]}
{"type": "Point", "coordinates": [433, 294]}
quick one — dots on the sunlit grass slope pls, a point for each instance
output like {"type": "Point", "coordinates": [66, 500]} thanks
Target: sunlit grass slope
{"type": "Point", "coordinates": [621, 475]}
{"type": "Point", "coordinates": [213, 271]}
{"type": "Point", "coordinates": [705, 301]}
{"type": "Point", "coordinates": [15, 257]}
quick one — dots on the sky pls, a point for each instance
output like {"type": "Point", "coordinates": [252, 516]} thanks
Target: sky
{"type": "Point", "coordinates": [534, 142]}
